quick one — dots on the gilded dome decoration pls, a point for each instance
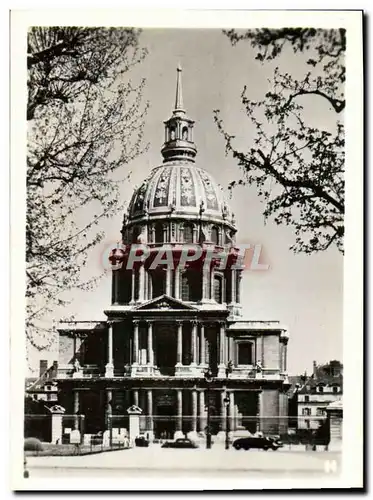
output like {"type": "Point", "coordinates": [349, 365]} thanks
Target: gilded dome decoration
{"type": "Point", "coordinates": [179, 187]}
{"type": "Point", "coordinates": [182, 189]}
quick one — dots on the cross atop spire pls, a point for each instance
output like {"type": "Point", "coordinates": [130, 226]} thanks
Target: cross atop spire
{"type": "Point", "coordinates": [179, 106]}
{"type": "Point", "coordinates": [179, 144]}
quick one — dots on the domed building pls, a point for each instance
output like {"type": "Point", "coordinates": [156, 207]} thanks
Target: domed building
{"type": "Point", "coordinates": [175, 343]}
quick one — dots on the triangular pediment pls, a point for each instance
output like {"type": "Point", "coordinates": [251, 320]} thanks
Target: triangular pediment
{"type": "Point", "coordinates": [164, 302]}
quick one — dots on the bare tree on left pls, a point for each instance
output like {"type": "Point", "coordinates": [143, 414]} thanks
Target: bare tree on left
{"type": "Point", "coordinates": [85, 125]}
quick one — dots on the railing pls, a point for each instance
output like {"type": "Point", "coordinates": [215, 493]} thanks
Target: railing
{"type": "Point", "coordinates": [83, 434]}
{"type": "Point", "coordinates": [94, 371]}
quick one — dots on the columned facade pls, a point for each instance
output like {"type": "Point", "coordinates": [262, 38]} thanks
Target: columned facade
{"type": "Point", "coordinates": [167, 324]}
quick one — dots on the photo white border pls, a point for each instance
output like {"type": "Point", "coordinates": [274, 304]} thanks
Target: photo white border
{"type": "Point", "coordinates": [352, 467]}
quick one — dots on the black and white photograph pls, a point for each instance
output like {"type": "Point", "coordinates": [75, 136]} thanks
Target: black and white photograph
{"type": "Point", "coordinates": [185, 275]}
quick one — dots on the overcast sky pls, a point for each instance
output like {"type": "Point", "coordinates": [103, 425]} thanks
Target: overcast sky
{"type": "Point", "coordinates": [303, 292]}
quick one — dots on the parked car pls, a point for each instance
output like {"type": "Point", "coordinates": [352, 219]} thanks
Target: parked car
{"type": "Point", "coordinates": [261, 442]}
{"type": "Point", "coordinates": [97, 439]}
{"type": "Point", "coordinates": [141, 441]}
{"type": "Point", "coordinates": [180, 443]}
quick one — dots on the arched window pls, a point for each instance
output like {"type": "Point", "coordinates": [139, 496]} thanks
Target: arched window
{"type": "Point", "coordinates": [228, 287]}
{"type": "Point", "coordinates": [188, 233]}
{"type": "Point", "coordinates": [218, 296]}
{"type": "Point", "coordinates": [215, 235]}
{"type": "Point", "coordinates": [137, 285]}
{"type": "Point", "coordinates": [172, 133]}
{"type": "Point", "coordinates": [191, 285]}
{"type": "Point", "coordinates": [185, 133]}
{"type": "Point", "coordinates": [185, 287]}
{"type": "Point", "coordinates": [125, 280]}
{"type": "Point", "coordinates": [158, 233]}
{"type": "Point", "coordinates": [135, 234]}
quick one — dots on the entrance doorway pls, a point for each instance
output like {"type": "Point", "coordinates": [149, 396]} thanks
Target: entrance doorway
{"type": "Point", "coordinates": [165, 348]}
{"type": "Point", "coordinates": [164, 423]}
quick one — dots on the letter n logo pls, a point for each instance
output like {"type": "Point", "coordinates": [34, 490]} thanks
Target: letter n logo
{"type": "Point", "coordinates": [330, 466]}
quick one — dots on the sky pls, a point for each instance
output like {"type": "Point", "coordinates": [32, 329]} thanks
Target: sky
{"type": "Point", "coordinates": [303, 292]}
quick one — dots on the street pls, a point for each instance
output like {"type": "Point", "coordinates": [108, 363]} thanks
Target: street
{"type": "Point", "coordinates": [155, 461]}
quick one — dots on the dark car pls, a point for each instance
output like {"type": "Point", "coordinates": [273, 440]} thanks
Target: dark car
{"type": "Point", "coordinates": [141, 441]}
{"type": "Point", "coordinates": [264, 443]}
{"type": "Point", "coordinates": [180, 443]}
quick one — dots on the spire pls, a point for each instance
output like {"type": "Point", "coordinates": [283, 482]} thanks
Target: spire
{"type": "Point", "coordinates": [179, 91]}
{"type": "Point", "coordinates": [179, 130]}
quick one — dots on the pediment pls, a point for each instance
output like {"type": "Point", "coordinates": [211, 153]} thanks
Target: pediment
{"type": "Point", "coordinates": [163, 303]}
{"type": "Point", "coordinates": [134, 410]}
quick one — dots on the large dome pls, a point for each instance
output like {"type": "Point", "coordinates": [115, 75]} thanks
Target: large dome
{"type": "Point", "coordinates": [182, 188]}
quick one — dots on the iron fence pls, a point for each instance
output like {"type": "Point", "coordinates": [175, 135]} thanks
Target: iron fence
{"type": "Point", "coordinates": [83, 434]}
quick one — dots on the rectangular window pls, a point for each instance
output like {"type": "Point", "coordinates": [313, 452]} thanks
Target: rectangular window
{"type": "Point", "coordinates": [335, 389]}
{"type": "Point", "coordinates": [306, 399]}
{"type": "Point", "coordinates": [306, 412]}
{"type": "Point", "coordinates": [319, 412]}
{"type": "Point", "coordinates": [245, 353]}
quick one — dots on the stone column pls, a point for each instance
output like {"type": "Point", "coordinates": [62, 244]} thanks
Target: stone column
{"type": "Point", "coordinates": [259, 352]}
{"type": "Point", "coordinates": [141, 283]}
{"type": "Point", "coordinates": [194, 233]}
{"type": "Point", "coordinates": [150, 413]}
{"type": "Point", "coordinates": [109, 409]}
{"type": "Point", "coordinates": [233, 286]}
{"type": "Point", "coordinates": [223, 411]}
{"type": "Point", "coordinates": [133, 286]}
{"type": "Point", "coordinates": [115, 277]}
{"type": "Point", "coordinates": [194, 410]}
{"type": "Point", "coordinates": [179, 359]}
{"type": "Point", "coordinates": [285, 358]}
{"type": "Point", "coordinates": [221, 367]}
{"type": "Point", "coordinates": [109, 368]}
{"type": "Point", "coordinates": [231, 355]}
{"type": "Point", "coordinates": [146, 285]}
{"type": "Point", "coordinates": [150, 286]}
{"type": "Point", "coordinates": [179, 423]}
{"type": "Point", "coordinates": [239, 284]}
{"type": "Point", "coordinates": [150, 344]}
{"type": "Point", "coordinates": [259, 423]}
{"type": "Point", "coordinates": [76, 409]}
{"type": "Point", "coordinates": [281, 357]}
{"type": "Point", "coordinates": [203, 345]}
{"type": "Point", "coordinates": [177, 283]}
{"type": "Point", "coordinates": [78, 345]}
{"type": "Point", "coordinates": [136, 342]}
{"type": "Point", "coordinates": [202, 411]}
{"type": "Point", "coordinates": [194, 343]}
{"type": "Point", "coordinates": [232, 423]}
{"type": "Point", "coordinates": [168, 281]}
{"type": "Point", "coordinates": [204, 284]}
{"type": "Point", "coordinates": [136, 397]}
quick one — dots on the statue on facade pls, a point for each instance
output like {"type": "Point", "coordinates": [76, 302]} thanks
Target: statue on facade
{"type": "Point", "coordinates": [259, 367]}
{"type": "Point", "coordinates": [229, 368]}
{"type": "Point", "coordinates": [201, 207]}
{"type": "Point", "coordinates": [225, 211]}
{"type": "Point", "coordinates": [77, 367]}
{"type": "Point", "coordinates": [125, 219]}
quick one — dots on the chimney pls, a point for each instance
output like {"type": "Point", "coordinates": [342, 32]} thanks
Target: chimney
{"type": "Point", "coordinates": [314, 368]}
{"type": "Point", "coordinates": [43, 367]}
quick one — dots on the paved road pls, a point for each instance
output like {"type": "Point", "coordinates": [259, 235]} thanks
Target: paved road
{"type": "Point", "coordinates": [155, 461]}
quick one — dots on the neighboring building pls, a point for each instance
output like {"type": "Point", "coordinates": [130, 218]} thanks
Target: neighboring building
{"type": "Point", "coordinates": [323, 387]}
{"type": "Point", "coordinates": [166, 326]}
{"type": "Point", "coordinates": [43, 388]}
